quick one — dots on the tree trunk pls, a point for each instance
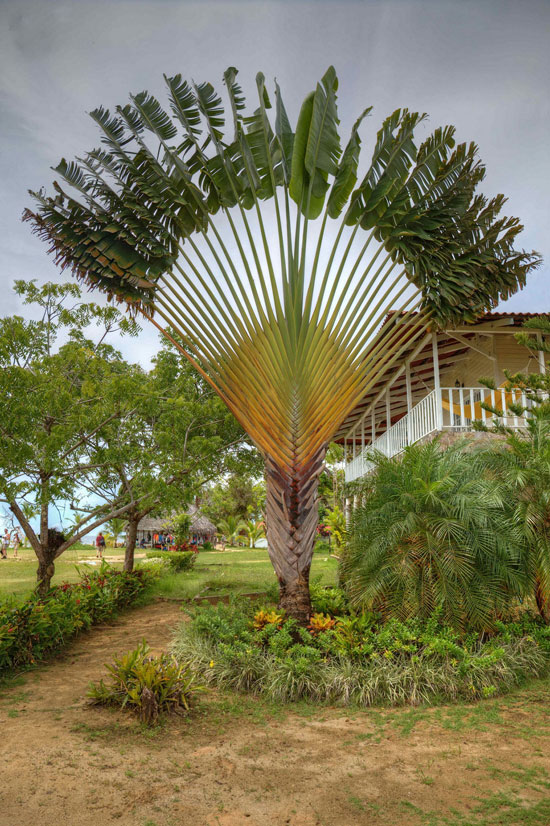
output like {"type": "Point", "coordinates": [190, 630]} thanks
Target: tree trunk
{"type": "Point", "coordinates": [543, 604]}
{"type": "Point", "coordinates": [45, 572]}
{"type": "Point", "coordinates": [292, 518]}
{"type": "Point", "coordinates": [131, 536]}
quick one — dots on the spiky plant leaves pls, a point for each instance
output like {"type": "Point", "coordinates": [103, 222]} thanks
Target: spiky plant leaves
{"type": "Point", "coordinates": [289, 327]}
{"type": "Point", "coordinates": [433, 535]}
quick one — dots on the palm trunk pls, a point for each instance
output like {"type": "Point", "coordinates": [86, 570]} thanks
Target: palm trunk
{"type": "Point", "coordinates": [543, 604]}
{"type": "Point", "coordinates": [131, 536]}
{"type": "Point", "coordinates": [292, 518]}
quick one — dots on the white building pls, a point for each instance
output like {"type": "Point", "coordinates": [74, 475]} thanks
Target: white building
{"type": "Point", "coordinates": [435, 388]}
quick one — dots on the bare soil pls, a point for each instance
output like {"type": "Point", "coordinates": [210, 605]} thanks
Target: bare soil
{"type": "Point", "coordinates": [238, 761]}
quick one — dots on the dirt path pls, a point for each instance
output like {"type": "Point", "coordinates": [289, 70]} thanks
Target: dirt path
{"type": "Point", "coordinates": [243, 762]}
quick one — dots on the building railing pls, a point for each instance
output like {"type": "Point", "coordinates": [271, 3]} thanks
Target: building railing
{"type": "Point", "coordinates": [450, 408]}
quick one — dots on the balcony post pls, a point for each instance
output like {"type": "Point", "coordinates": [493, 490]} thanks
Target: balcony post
{"type": "Point", "coordinates": [409, 399]}
{"type": "Point", "coordinates": [437, 385]}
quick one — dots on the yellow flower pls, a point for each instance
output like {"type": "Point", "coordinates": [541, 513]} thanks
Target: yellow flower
{"type": "Point", "coordinates": [211, 663]}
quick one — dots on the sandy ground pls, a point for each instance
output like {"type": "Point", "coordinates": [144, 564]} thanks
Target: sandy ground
{"type": "Point", "coordinates": [242, 762]}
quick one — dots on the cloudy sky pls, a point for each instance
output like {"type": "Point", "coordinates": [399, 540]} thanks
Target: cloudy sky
{"type": "Point", "coordinates": [483, 66]}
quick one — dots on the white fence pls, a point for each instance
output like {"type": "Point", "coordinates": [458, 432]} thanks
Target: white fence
{"type": "Point", "coordinates": [453, 408]}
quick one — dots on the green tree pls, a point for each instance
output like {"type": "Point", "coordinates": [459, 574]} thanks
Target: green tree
{"type": "Point", "coordinates": [116, 526]}
{"type": "Point", "coordinates": [237, 495]}
{"type": "Point", "coordinates": [522, 462]}
{"type": "Point", "coordinates": [179, 437]}
{"type": "Point", "coordinates": [58, 391]}
{"type": "Point", "coordinates": [335, 521]}
{"type": "Point", "coordinates": [254, 531]}
{"type": "Point", "coordinates": [288, 323]}
{"type": "Point", "coordinates": [231, 528]}
{"type": "Point", "coordinates": [431, 535]}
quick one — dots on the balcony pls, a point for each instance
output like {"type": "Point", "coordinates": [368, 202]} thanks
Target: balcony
{"type": "Point", "coordinates": [447, 409]}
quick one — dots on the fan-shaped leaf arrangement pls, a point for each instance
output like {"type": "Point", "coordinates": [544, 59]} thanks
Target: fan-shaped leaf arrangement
{"type": "Point", "coordinates": [276, 262]}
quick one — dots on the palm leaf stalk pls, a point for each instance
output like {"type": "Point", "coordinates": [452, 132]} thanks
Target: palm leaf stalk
{"type": "Point", "coordinates": [174, 215]}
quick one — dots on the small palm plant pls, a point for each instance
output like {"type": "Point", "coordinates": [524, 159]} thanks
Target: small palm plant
{"type": "Point", "coordinates": [116, 527]}
{"type": "Point", "coordinates": [170, 216]}
{"type": "Point", "coordinates": [432, 535]}
{"type": "Point", "coordinates": [522, 466]}
{"type": "Point", "coordinates": [254, 531]}
{"type": "Point", "coordinates": [231, 528]}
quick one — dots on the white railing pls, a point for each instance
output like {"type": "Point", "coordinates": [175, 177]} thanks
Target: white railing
{"type": "Point", "coordinates": [453, 408]}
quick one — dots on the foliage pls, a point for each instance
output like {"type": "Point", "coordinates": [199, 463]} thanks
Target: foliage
{"type": "Point", "coordinates": [335, 522]}
{"type": "Point", "coordinates": [263, 618]}
{"type": "Point", "coordinates": [180, 524]}
{"type": "Point", "coordinates": [237, 496]}
{"type": "Point", "coordinates": [254, 531]}
{"type": "Point", "coordinates": [32, 630]}
{"type": "Point", "coordinates": [177, 560]}
{"type": "Point", "coordinates": [320, 622]}
{"type": "Point", "coordinates": [432, 534]}
{"type": "Point", "coordinates": [150, 686]}
{"type": "Point", "coordinates": [521, 465]}
{"type": "Point", "coordinates": [116, 527]}
{"type": "Point", "coordinates": [360, 659]}
{"type": "Point", "coordinates": [331, 601]}
{"type": "Point", "coordinates": [58, 390]}
{"type": "Point", "coordinates": [231, 528]}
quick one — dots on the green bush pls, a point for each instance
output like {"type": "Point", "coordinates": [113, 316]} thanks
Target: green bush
{"type": "Point", "coordinates": [361, 660]}
{"type": "Point", "coordinates": [207, 546]}
{"type": "Point", "coordinates": [433, 534]}
{"type": "Point", "coordinates": [31, 630]}
{"type": "Point", "coordinates": [178, 561]}
{"type": "Point", "coordinates": [330, 601]}
{"type": "Point", "coordinates": [150, 686]}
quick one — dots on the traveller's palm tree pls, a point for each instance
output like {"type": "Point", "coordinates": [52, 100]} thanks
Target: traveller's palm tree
{"type": "Point", "coordinates": [258, 245]}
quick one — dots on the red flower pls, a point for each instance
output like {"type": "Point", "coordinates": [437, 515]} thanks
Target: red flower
{"type": "Point", "coordinates": [78, 602]}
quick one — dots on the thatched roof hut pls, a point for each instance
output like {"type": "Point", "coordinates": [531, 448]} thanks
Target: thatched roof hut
{"type": "Point", "coordinates": [201, 528]}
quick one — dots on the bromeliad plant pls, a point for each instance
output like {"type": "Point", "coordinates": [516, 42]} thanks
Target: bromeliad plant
{"type": "Point", "coordinates": [171, 215]}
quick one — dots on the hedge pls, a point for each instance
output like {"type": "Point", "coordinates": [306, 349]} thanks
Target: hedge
{"type": "Point", "coordinates": [32, 630]}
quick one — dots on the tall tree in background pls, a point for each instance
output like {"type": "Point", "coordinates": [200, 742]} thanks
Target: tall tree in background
{"type": "Point", "coordinates": [179, 437]}
{"type": "Point", "coordinates": [289, 326]}
{"type": "Point", "coordinates": [55, 398]}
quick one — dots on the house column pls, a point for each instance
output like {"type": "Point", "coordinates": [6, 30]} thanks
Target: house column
{"type": "Point", "coordinates": [409, 400]}
{"type": "Point", "coordinates": [437, 385]}
{"type": "Point", "coordinates": [542, 362]}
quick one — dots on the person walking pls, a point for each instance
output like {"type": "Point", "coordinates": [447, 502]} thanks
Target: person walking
{"type": "Point", "coordinates": [5, 543]}
{"type": "Point", "coordinates": [16, 540]}
{"type": "Point", "coordinates": [99, 545]}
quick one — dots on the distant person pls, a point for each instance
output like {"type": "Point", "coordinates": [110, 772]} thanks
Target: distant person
{"type": "Point", "coordinates": [16, 540]}
{"type": "Point", "coordinates": [5, 543]}
{"type": "Point", "coordinates": [100, 545]}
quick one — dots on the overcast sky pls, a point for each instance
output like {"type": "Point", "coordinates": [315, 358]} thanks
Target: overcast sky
{"type": "Point", "coordinates": [483, 66]}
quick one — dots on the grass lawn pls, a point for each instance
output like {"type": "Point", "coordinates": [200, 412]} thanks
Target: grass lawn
{"type": "Point", "coordinates": [18, 576]}
{"type": "Point", "coordinates": [233, 571]}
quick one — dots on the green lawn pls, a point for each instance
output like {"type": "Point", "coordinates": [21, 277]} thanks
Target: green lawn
{"type": "Point", "coordinates": [18, 576]}
{"type": "Point", "coordinates": [233, 571]}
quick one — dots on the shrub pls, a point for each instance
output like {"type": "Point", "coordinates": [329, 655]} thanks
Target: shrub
{"type": "Point", "coordinates": [151, 686]}
{"type": "Point", "coordinates": [360, 659]}
{"type": "Point", "coordinates": [207, 546]}
{"type": "Point", "coordinates": [35, 628]}
{"type": "Point", "coordinates": [178, 561]}
{"type": "Point", "coordinates": [332, 601]}
{"type": "Point", "coordinates": [433, 534]}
